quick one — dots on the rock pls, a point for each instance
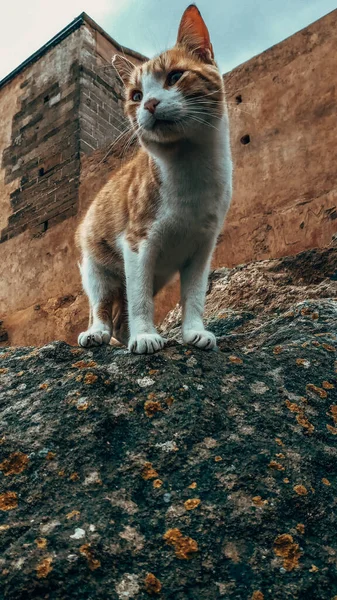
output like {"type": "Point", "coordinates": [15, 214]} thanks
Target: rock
{"type": "Point", "coordinates": [184, 474]}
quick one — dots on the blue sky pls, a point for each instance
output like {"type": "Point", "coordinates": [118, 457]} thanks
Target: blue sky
{"type": "Point", "coordinates": [239, 30]}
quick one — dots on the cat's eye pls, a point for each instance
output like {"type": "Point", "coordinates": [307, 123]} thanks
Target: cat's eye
{"type": "Point", "coordinates": [174, 76]}
{"type": "Point", "coordinates": [136, 96]}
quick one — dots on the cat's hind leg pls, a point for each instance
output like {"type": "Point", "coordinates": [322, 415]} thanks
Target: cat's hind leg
{"type": "Point", "coordinates": [101, 287]}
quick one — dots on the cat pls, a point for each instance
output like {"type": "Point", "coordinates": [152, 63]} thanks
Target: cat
{"type": "Point", "coordinates": [162, 212]}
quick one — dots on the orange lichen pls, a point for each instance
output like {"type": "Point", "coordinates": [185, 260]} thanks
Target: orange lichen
{"type": "Point", "coordinates": [313, 569]}
{"type": "Point", "coordinates": [301, 490]}
{"type": "Point", "coordinates": [257, 500]}
{"type": "Point", "coordinates": [236, 360]}
{"type": "Point", "coordinates": [149, 472]}
{"type": "Point", "coordinates": [280, 455]}
{"type": "Point", "coordinates": [83, 406]}
{"type": "Point", "coordinates": [193, 485]}
{"type": "Point", "coordinates": [41, 542]}
{"type": "Point", "coordinates": [74, 477]}
{"type": "Point", "coordinates": [84, 364]}
{"type": "Point", "coordinates": [279, 442]}
{"type": "Point", "coordinates": [79, 378]}
{"type": "Point", "coordinates": [3, 371]}
{"type": "Point", "coordinates": [152, 584]}
{"type": "Point", "coordinates": [183, 546]}
{"type": "Point", "coordinates": [14, 464]}
{"type": "Point", "coordinates": [332, 430]}
{"type": "Point", "coordinates": [157, 483]}
{"type": "Point", "coordinates": [286, 480]}
{"type": "Point", "coordinates": [303, 421]}
{"type": "Point", "coordinates": [317, 390]}
{"type": "Point", "coordinates": [329, 348]}
{"type": "Point", "coordinates": [315, 316]}
{"type": "Point", "coordinates": [275, 465]}
{"type": "Point", "coordinates": [277, 350]}
{"type": "Point", "coordinates": [8, 501]}
{"type": "Point", "coordinates": [50, 455]}
{"type": "Point", "coordinates": [192, 503]}
{"type": "Point", "coordinates": [72, 514]}
{"type": "Point", "coordinates": [218, 458]}
{"type": "Point", "coordinates": [293, 407]}
{"type": "Point", "coordinates": [285, 547]}
{"type": "Point", "coordinates": [301, 362]}
{"type": "Point", "coordinates": [169, 401]}
{"type": "Point", "coordinates": [153, 371]}
{"type": "Point", "coordinates": [93, 563]}
{"type": "Point", "coordinates": [44, 567]}
{"type": "Point", "coordinates": [61, 473]}
{"type": "Point", "coordinates": [90, 378]}
{"type": "Point", "coordinates": [257, 596]}
{"type": "Point", "coordinates": [43, 386]}
{"type": "Point", "coordinates": [326, 481]}
{"type": "Point", "coordinates": [300, 528]}
{"type": "Point", "coordinates": [151, 407]}
{"type": "Point", "coordinates": [333, 409]}
{"type": "Point", "coordinates": [328, 386]}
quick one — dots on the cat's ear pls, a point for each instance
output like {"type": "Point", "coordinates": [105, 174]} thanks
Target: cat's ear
{"type": "Point", "coordinates": [193, 34]}
{"type": "Point", "coordinates": [123, 66]}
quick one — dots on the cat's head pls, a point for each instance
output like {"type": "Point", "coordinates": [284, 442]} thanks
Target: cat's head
{"type": "Point", "coordinates": [178, 94]}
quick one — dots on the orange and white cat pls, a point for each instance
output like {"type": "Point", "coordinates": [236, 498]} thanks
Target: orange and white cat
{"type": "Point", "coordinates": [162, 212]}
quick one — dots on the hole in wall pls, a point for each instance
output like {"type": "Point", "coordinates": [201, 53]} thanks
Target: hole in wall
{"type": "Point", "coordinates": [46, 99]}
{"type": "Point", "coordinates": [245, 139]}
{"type": "Point", "coordinates": [41, 172]}
{"type": "Point", "coordinates": [45, 226]}
{"type": "Point", "coordinates": [238, 99]}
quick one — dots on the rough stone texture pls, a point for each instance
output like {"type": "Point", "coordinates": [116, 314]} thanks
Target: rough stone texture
{"type": "Point", "coordinates": [184, 474]}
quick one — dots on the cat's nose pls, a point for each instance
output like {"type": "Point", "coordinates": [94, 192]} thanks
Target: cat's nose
{"type": "Point", "coordinates": [151, 105]}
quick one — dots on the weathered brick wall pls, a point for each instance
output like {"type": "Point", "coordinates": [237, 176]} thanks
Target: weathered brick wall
{"type": "Point", "coordinates": [43, 156]}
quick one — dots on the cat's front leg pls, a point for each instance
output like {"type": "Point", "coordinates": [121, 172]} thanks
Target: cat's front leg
{"type": "Point", "coordinates": [139, 272]}
{"type": "Point", "coordinates": [194, 279]}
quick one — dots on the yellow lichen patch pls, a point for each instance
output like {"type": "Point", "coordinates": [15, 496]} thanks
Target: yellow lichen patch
{"type": "Point", "coordinates": [44, 567]}
{"type": "Point", "coordinates": [329, 348]}
{"type": "Point", "coordinates": [333, 411]}
{"type": "Point", "coordinates": [313, 569]}
{"type": "Point", "coordinates": [235, 360]}
{"type": "Point", "coordinates": [301, 490]}
{"type": "Point", "coordinates": [73, 514]}
{"type": "Point", "coordinates": [192, 503]}
{"type": "Point", "coordinates": [218, 458]}
{"type": "Point", "coordinates": [8, 501]}
{"type": "Point", "coordinates": [277, 350]}
{"type": "Point", "coordinates": [326, 481]}
{"type": "Point", "coordinates": [285, 547]}
{"type": "Point", "coordinates": [79, 378]}
{"type": "Point", "coordinates": [300, 528]}
{"type": "Point", "coordinates": [41, 542]}
{"type": "Point", "coordinates": [149, 472]}
{"type": "Point", "coordinates": [43, 386]}
{"type": "Point", "coordinates": [84, 364]}
{"type": "Point", "coordinates": [286, 480]}
{"type": "Point", "coordinates": [93, 563]}
{"type": "Point", "coordinates": [303, 421]}
{"type": "Point", "coordinates": [90, 378]}
{"type": "Point", "coordinates": [332, 430]}
{"type": "Point", "coordinates": [50, 455]}
{"type": "Point", "coordinates": [293, 407]}
{"type": "Point", "coordinates": [152, 584]}
{"type": "Point", "coordinates": [183, 546]}
{"type": "Point", "coordinates": [14, 464]}
{"type": "Point", "coordinates": [151, 407]}
{"type": "Point", "coordinates": [61, 473]}
{"type": "Point", "coordinates": [328, 386]}
{"type": "Point", "coordinates": [193, 485]}
{"type": "Point", "coordinates": [74, 477]}
{"type": "Point", "coordinates": [317, 390]}
{"type": "Point", "coordinates": [157, 483]}
{"type": "Point", "coordinates": [257, 500]}
{"type": "Point", "coordinates": [2, 440]}
{"type": "Point", "coordinates": [257, 596]}
{"type": "Point", "coordinates": [279, 442]}
{"type": "Point", "coordinates": [276, 465]}
{"type": "Point", "coordinates": [4, 527]}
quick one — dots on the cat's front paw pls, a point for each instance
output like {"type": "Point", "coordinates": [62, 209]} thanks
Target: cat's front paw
{"type": "Point", "coordinates": [92, 337]}
{"type": "Point", "coordinates": [201, 339]}
{"type": "Point", "coordinates": [146, 343]}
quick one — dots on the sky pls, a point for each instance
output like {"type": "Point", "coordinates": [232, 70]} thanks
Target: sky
{"type": "Point", "coordinates": [238, 29]}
